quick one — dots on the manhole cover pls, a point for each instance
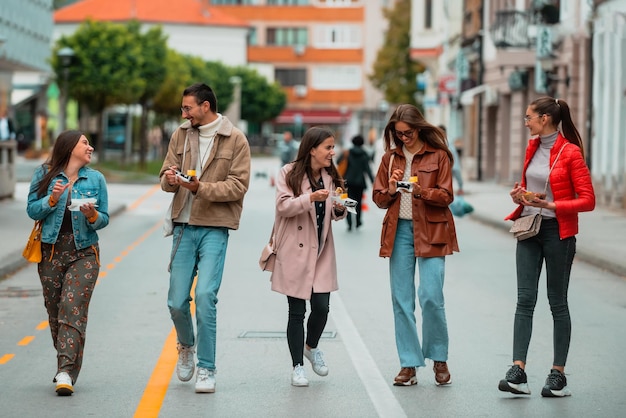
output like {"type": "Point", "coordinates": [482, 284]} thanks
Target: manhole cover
{"type": "Point", "coordinates": [278, 334]}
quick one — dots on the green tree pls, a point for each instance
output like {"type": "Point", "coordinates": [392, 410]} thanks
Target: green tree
{"type": "Point", "coordinates": [217, 76]}
{"type": "Point", "coordinates": [184, 70]}
{"type": "Point", "coordinates": [153, 71]}
{"type": "Point", "coordinates": [107, 69]}
{"type": "Point", "coordinates": [394, 72]}
{"type": "Point", "coordinates": [178, 76]}
{"type": "Point", "coordinates": [260, 100]}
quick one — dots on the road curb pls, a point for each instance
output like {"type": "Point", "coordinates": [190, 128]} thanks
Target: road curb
{"type": "Point", "coordinates": [582, 253]}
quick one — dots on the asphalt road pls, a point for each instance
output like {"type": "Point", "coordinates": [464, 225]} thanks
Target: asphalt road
{"type": "Point", "coordinates": [128, 368]}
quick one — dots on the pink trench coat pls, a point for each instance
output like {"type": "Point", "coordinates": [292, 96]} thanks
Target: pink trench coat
{"type": "Point", "coordinates": [300, 268]}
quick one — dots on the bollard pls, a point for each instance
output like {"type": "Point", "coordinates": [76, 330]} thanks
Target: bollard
{"type": "Point", "coordinates": [8, 153]}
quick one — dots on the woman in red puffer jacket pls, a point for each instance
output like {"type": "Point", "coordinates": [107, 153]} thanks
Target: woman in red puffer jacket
{"type": "Point", "coordinates": [555, 183]}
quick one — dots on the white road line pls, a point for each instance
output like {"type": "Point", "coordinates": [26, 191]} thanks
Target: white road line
{"type": "Point", "coordinates": [379, 392]}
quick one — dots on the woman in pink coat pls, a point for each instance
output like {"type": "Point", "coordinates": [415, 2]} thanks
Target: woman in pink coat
{"type": "Point", "coordinates": [306, 268]}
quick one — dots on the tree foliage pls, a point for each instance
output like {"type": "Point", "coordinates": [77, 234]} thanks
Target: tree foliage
{"type": "Point", "coordinates": [394, 72]}
{"type": "Point", "coordinates": [106, 68]}
{"type": "Point", "coordinates": [260, 100]}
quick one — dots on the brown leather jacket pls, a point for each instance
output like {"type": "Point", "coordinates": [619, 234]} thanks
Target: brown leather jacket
{"type": "Point", "coordinates": [433, 225]}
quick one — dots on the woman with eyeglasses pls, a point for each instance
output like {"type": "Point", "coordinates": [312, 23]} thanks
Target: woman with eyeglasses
{"type": "Point", "coordinates": [555, 183]}
{"type": "Point", "coordinates": [414, 185]}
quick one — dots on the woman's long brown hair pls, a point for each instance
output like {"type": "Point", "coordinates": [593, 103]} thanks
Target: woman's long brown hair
{"type": "Point", "coordinates": [312, 138]}
{"type": "Point", "coordinates": [61, 153]}
{"type": "Point", "coordinates": [411, 115]}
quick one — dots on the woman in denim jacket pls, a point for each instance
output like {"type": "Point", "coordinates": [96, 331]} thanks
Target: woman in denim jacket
{"type": "Point", "coordinates": [69, 244]}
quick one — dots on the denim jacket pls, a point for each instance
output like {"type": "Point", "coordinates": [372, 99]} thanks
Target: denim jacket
{"type": "Point", "coordinates": [90, 183]}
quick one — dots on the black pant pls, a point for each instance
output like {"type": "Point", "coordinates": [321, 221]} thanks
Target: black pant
{"type": "Point", "coordinates": [558, 255]}
{"type": "Point", "coordinates": [320, 305]}
{"type": "Point", "coordinates": [355, 193]}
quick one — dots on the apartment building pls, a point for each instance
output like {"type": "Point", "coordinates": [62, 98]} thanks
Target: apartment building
{"type": "Point", "coordinates": [25, 37]}
{"type": "Point", "coordinates": [321, 52]}
{"type": "Point", "coordinates": [435, 43]}
{"type": "Point", "coordinates": [192, 26]}
{"type": "Point", "coordinates": [514, 52]}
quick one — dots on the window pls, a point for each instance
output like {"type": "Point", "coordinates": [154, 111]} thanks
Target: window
{"type": "Point", "coordinates": [337, 36]}
{"type": "Point", "coordinates": [337, 77]}
{"type": "Point", "coordinates": [287, 36]}
{"type": "Point", "coordinates": [288, 77]}
{"type": "Point", "coordinates": [252, 37]}
{"type": "Point", "coordinates": [428, 14]}
{"type": "Point", "coordinates": [338, 3]}
{"type": "Point", "coordinates": [233, 2]}
{"type": "Point", "coordinates": [287, 2]}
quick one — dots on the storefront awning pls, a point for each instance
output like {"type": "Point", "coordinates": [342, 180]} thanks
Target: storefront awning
{"type": "Point", "coordinates": [491, 95]}
{"type": "Point", "coordinates": [309, 116]}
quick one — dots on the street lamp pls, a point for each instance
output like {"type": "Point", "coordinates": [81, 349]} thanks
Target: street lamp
{"type": "Point", "coordinates": [66, 56]}
{"type": "Point", "coordinates": [234, 110]}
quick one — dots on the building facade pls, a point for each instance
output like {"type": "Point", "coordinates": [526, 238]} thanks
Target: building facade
{"type": "Point", "coordinates": [608, 142]}
{"type": "Point", "coordinates": [193, 27]}
{"type": "Point", "coordinates": [321, 52]}
{"type": "Point", "coordinates": [513, 53]}
{"type": "Point", "coordinates": [25, 38]}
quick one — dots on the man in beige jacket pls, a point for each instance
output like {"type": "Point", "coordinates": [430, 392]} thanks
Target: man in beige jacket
{"type": "Point", "coordinates": [207, 167]}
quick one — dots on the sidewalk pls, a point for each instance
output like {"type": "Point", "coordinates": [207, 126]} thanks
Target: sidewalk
{"type": "Point", "coordinates": [601, 240]}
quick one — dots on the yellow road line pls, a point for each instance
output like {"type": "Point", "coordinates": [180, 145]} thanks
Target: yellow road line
{"type": "Point", "coordinates": [26, 340]}
{"type": "Point", "coordinates": [5, 358]}
{"type": "Point", "coordinates": [154, 393]}
{"type": "Point", "coordinates": [156, 388]}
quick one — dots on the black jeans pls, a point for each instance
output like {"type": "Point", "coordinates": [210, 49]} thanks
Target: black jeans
{"type": "Point", "coordinates": [355, 193]}
{"type": "Point", "coordinates": [530, 255]}
{"type": "Point", "coordinates": [320, 305]}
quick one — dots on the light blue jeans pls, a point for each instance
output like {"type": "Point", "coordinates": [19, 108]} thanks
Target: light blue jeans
{"type": "Point", "coordinates": [430, 294]}
{"type": "Point", "coordinates": [202, 251]}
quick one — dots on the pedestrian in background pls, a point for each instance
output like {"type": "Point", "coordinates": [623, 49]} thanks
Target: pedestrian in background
{"type": "Point", "coordinates": [7, 129]}
{"type": "Point", "coordinates": [418, 226]}
{"type": "Point", "coordinates": [459, 207]}
{"type": "Point", "coordinates": [69, 244]}
{"type": "Point", "coordinates": [306, 267]}
{"type": "Point", "coordinates": [357, 169]}
{"type": "Point", "coordinates": [204, 209]}
{"type": "Point", "coordinates": [288, 148]}
{"type": "Point", "coordinates": [155, 140]}
{"type": "Point", "coordinates": [554, 159]}
{"type": "Point", "coordinates": [457, 174]}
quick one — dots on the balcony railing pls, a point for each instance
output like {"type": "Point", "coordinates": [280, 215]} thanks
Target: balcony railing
{"type": "Point", "coordinates": [510, 29]}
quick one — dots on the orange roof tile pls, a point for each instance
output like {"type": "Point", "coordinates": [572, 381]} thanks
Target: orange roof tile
{"type": "Point", "coordinates": [194, 12]}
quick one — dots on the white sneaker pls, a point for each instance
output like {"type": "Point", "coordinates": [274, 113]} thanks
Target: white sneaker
{"type": "Point", "coordinates": [205, 380]}
{"type": "Point", "coordinates": [186, 363]}
{"type": "Point", "coordinates": [297, 376]}
{"type": "Point", "coordinates": [316, 357]}
{"type": "Point", "coordinates": [64, 384]}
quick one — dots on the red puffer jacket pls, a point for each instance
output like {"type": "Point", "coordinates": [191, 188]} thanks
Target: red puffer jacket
{"type": "Point", "coordinates": [570, 183]}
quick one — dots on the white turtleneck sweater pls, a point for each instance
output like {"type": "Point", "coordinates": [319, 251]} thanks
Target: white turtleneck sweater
{"type": "Point", "coordinates": [537, 173]}
{"type": "Point", "coordinates": [206, 136]}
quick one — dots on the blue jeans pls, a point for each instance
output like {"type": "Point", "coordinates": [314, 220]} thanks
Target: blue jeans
{"type": "Point", "coordinates": [530, 255]}
{"type": "Point", "coordinates": [430, 294]}
{"type": "Point", "coordinates": [202, 251]}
